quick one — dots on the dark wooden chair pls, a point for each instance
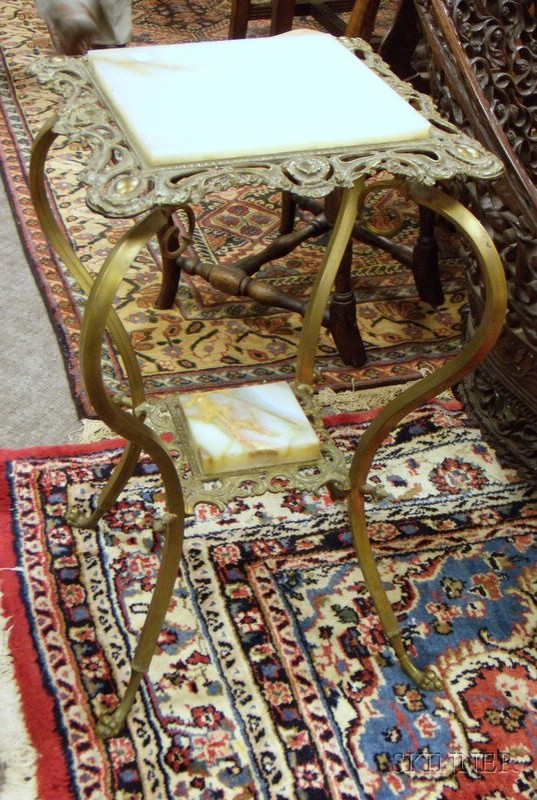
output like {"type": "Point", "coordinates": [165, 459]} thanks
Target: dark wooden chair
{"type": "Point", "coordinates": [360, 22]}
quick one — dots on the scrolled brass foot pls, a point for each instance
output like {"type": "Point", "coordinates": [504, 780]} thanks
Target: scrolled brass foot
{"type": "Point", "coordinates": [426, 679]}
{"type": "Point", "coordinates": [111, 723]}
{"type": "Point", "coordinates": [77, 519]}
{"type": "Point", "coordinates": [430, 681]}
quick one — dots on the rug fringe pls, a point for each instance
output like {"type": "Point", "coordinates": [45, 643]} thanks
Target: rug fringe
{"type": "Point", "coordinates": [18, 758]}
{"type": "Point", "coordinates": [92, 430]}
{"type": "Point", "coordinates": [359, 399]}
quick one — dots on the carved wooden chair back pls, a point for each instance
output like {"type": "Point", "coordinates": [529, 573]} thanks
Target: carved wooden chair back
{"type": "Point", "coordinates": [480, 60]}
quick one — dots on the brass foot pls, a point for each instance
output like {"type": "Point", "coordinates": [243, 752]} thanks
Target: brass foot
{"type": "Point", "coordinates": [425, 679]}
{"type": "Point", "coordinates": [76, 519]}
{"type": "Point", "coordinates": [111, 723]}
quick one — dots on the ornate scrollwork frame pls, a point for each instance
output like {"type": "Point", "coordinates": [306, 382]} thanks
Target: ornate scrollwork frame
{"type": "Point", "coordinates": [121, 185]}
{"type": "Point", "coordinates": [330, 469]}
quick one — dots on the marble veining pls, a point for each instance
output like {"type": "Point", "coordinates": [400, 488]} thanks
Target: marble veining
{"type": "Point", "coordinates": [248, 426]}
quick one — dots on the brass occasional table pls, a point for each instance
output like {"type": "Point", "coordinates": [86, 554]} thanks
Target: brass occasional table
{"type": "Point", "coordinates": [154, 150]}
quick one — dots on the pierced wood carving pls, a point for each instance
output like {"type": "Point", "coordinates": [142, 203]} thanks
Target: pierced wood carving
{"type": "Point", "coordinates": [479, 57]}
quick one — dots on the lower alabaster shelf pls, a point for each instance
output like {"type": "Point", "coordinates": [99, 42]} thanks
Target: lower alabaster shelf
{"type": "Point", "coordinates": [328, 468]}
{"type": "Point", "coordinates": [248, 427]}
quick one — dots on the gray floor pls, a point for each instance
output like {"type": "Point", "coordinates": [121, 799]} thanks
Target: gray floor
{"type": "Point", "coordinates": [35, 401]}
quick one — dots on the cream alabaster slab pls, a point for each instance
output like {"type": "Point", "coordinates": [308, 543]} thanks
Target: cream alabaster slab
{"type": "Point", "coordinates": [206, 101]}
{"type": "Point", "coordinates": [249, 426]}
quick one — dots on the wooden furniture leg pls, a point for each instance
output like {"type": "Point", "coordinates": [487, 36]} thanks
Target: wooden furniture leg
{"type": "Point", "coordinates": [399, 43]}
{"type": "Point", "coordinates": [362, 19]}
{"type": "Point", "coordinates": [343, 325]}
{"type": "Point", "coordinates": [238, 23]}
{"type": "Point", "coordinates": [283, 12]}
{"type": "Point", "coordinates": [425, 260]}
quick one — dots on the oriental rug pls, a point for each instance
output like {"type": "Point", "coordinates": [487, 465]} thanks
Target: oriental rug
{"type": "Point", "coordinates": [272, 677]}
{"type": "Point", "coordinates": [207, 337]}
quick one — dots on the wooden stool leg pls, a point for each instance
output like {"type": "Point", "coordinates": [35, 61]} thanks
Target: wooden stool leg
{"type": "Point", "coordinates": [362, 19]}
{"type": "Point", "coordinates": [398, 45]}
{"type": "Point", "coordinates": [283, 12]}
{"type": "Point", "coordinates": [173, 240]}
{"type": "Point", "coordinates": [287, 219]}
{"type": "Point", "coordinates": [425, 260]}
{"type": "Point", "coordinates": [343, 324]}
{"type": "Point", "coordinates": [238, 23]}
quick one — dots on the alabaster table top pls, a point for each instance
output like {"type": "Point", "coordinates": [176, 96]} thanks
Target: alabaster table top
{"type": "Point", "coordinates": [166, 124]}
{"type": "Point", "coordinates": [210, 101]}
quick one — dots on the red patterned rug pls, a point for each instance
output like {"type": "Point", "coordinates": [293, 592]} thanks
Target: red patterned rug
{"type": "Point", "coordinates": [207, 337]}
{"type": "Point", "coordinates": [272, 678]}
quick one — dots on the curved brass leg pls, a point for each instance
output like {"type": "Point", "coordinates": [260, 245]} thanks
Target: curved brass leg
{"type": "Point", "coordinates": [61, 245]}
{"type": "Point", "coordinates": [100, 316]}
{"type": "Point", "coordinates": [420, 392]}
{"type": "Point", "coordinates": [111, 491]}
{"type": "Point", "coordinates": [41, 146]}
{"type": "Point", "coordinates": [94, 325]}
{"type": "Point", "coordinates": [111, 723]}
{"type": "Point", "coordinates": [324, 281]}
